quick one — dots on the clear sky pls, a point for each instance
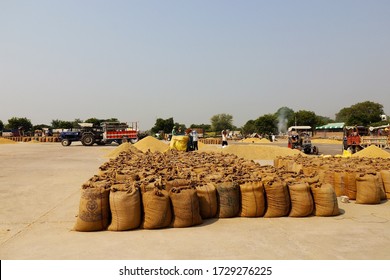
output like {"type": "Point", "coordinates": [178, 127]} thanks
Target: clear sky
{"type": "Point", "coordinates": [190, 60]}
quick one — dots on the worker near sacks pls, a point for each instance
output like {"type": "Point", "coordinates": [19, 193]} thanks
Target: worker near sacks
{"type": "Point", "coordinates": [195, 138]}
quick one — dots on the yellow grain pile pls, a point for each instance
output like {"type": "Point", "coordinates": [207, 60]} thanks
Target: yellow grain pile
{"type": "Point", "coordinates": [372, 152]}
{"type": "Point", "coordinates": [152, 144]}
{"type": "Point", "coordinates": [255, 140]}
{"type": "Point", "coordinates": [33, 142]}
{"type": "Point", "coordinates": [260, 152]}
{"type": "Point", "coordinates": [6, 141]}
{"type": "Point", "coordinates": [124, 147]}
{"type": "Point", "coordinates": [326, 141]}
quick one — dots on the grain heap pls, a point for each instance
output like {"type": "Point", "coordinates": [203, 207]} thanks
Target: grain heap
{"type": "Point", "coordinates": [372, 152]}
{"type": "Point", "coordinates": [6, 141]}
{"type": "Point", "coordinates": [265, 152]}
{"type": "Point", "coordinates": [255, 140]}
{"type": "Point", "coordinates": [179, 189]}
{"type": "Point", "coordinates": [152, 144]}
{"type": "Point", "coordinates": [124, 147]}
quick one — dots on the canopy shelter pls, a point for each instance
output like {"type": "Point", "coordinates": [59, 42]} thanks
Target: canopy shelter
{"type": "Point", "coordinates": [330, 126]}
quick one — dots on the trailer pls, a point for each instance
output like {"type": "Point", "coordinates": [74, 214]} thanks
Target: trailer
{"type": "Point", "coordinates": [105, 133]}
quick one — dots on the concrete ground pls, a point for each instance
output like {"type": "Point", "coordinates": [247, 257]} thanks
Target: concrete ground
{"type": "Point", "coordinates": [39, 197]}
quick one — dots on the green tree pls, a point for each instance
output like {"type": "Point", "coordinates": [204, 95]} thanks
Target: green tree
{"type": "Point", "coordinates": [206, 127]}
{"type": "Point", "coordinates": [16, 123]}
{"type": "Point", "coordinates": [363, 113]}
{"type": "Point", "coordinates": [304, 117]}
{"type": "Point", "coordinates": [267, 124]}
{"type": "Point", "coordinates": [249, 128]}
{"type": "Point", "coordinates": [222, 121]}
{"type": "Point", "coordinates": [163, 125]}
{"type": "Point", "coordinates": [1, 126]}
{"type": "Point", "coordinates": [57, 124]}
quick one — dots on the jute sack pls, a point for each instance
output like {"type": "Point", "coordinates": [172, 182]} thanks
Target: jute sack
{"type": "Point", "coordinates": [185, 205]}
{"type": "Point", "coordinates": [228, 195]}
{"type": "Point", "coordinates": [252, 199]}
{"type": "Point", "coordinates": [175, 183]}
{"type": "Point", "coordinates": [278, 199]}
{"type": "Point", "coordinates": [125, 205]}
{"type": "Point", "coordinates": [325, 200]}
{"type": "Point", "coordinates": [94, 207]}
{"type": "Point", "coordinates": [339, 182]}
{"type": "Point", "coordinates": [368, 189]}
{"type": "Point", "coordinates": [302, 204]}
{"type": "Point", "coordinates": [157, 209]}
{"type": "Point", "coordinates": [208, 204]}
{"type": "Point", "coordinates": [350, 187]}
{"type": "Point", "coordinates": [385, 174]}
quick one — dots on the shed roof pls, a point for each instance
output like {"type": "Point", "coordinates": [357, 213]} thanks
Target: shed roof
{"type": "Point", "coordinates": [339, 125]}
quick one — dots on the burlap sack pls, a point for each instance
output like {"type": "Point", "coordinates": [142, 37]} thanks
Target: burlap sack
{"type": "Point", "coordinates": [94, 207]}
{"type": "Point", "coordinates": [185, 205]}
{"type": "Point", "coordinates": [125, 205]}
{"type": "Point", "coordinates": [157, 209]}
{"type": "Point", "coordinates": [350, 187]}
{"type": "Point", "coordinates": [385, 174]}
{"type": "Point", "coordinates": [368, 188]}
{"type": "Point", "coordinates": [325, 200]}
{"type": "Point", "coordinates": [208, 204]}
{"type": "Point", "coordinates": [302, 204]}
{"type": "Point", "coordinates": [252, 199]}
{"type": "Point", "coordinates": [278, 199]}
{"type": "Point", "coordinates": [175, 183]}
{"type": "Point", "coordinates": [228, 195]}
{"type": "Point", "coordinates": [339, 182]}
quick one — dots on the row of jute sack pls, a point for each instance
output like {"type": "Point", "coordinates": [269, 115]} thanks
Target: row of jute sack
{"type": "Point", "coordinates": [124, 206]}
{"type": "Point", "coordinates": [345, 175]}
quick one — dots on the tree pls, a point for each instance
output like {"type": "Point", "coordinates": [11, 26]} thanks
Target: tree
{"type": "Point", "coordinates": [267, 124]}
{"type": "Point", "coordinates": [16, 123]}
{"type": "Point", "coordinates": [364, 113]}
{"type": "Point", "coordinates": [1, 126]}
{"type": "Point", "coordinates": [222, 122]}
{"type": "Point", "coordinates": [56, 124]}
{"type": "Point", "coordinates": [304, 117]}
{"type": "Point", "coordinates": [249, 127]}
{"type": "Point", "coordinates": [205, 127]}
{"type": "Point", "coordinates": [163, 125]}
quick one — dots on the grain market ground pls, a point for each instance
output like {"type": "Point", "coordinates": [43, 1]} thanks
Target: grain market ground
{"type": "Point", "coordinates": [40, 192]}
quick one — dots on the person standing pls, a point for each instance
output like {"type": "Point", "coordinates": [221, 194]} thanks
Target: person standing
{"type": "Point", "coordinates": [224, 138]}
{"type": "Point", "coordinates": [195, 138]}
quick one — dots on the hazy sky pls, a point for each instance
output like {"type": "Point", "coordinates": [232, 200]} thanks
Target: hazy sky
{"type": "Point", "coordinates": [143, 60]}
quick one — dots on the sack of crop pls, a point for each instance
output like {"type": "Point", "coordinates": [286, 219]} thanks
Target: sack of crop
{"type": "Point", "coordinates": [325, 200]}
{"type": "Point", "coordinates": [125, 205]}
{"type": "Point", "coordinates": [339, 182]}
{"type": "Point", "coordinates": [228, 195]}
{"type": "Point", "coordinates": [369, 189]}
{"type": "Point", "coordinates": [94, 207]}
{"type": "Point", "coordinates": [252, 199]}
{"type": "Point", "coordinates": [157, 209]}
{"type": "Point", "coordinates": [350, 187]}
{"type": "Point", "coordinates": [208, 205]}
{"type": "Point", "coordinates": [179, 143]}
{"type": "Point", "coordinates": [302, 204]}
{"type": "Point", "coordinates": [278, 199]}
{"type": "Point", "coordinates": [185, 205]}
{"type": "Point", "coordinates": [385, 174]}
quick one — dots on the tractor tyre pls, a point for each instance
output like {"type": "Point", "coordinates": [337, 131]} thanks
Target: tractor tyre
{"type": "Point", "coordinates": [66, 142]}
{"type": "Point", "coordinates": [133, 140]}
{"type": "Point", "coordinates": [88, 140]}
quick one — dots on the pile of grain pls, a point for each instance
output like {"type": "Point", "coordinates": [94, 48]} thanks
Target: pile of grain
{"type": "Point", "coordinates": [124, 147]}
{"type": "Point", "coordinates": [33, 141]}
{"type": "Point", "coordinates": [326, 141]}
{"type": "Point", "coordinates": [372, 152]}
{"type": "Point", "coordinates": [6, 141]}
{"type": "Point", "coordinates": [255, 140]}
{"type": "Point", "coordinates": [257, 152]}
{"type": "Point", "coordinates": [152, 144]}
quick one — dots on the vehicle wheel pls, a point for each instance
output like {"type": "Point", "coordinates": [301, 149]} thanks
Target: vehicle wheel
{"type": "Point", "coordinates": [315, 150]}
{"type": "Point", "coordinates": [88, 140]}
{"type": "Point", "coordinates": [133, 140]}
{"type": "Point", "coordinates": [65, 142]}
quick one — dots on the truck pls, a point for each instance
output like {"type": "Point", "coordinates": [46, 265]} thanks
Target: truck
{"type": "Point", "coordinates": [105, 133]}
{"type": "Point", "coordinates": [356, 138]}
{"type": "Point", "coordinates": [299, 137]}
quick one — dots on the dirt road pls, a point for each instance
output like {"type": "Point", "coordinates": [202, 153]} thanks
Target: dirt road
{"type": "Point", "coordinates": [39, 196]}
